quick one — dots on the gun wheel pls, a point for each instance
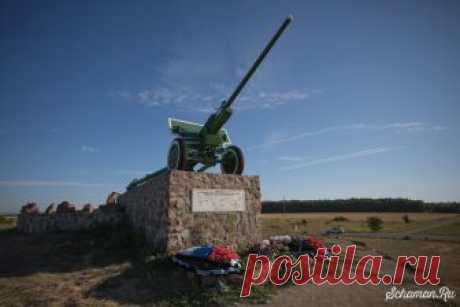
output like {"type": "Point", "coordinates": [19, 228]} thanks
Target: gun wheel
{"type": "Point", "coordinates": [232, 161]}
{"type": "Point", "coordinates": [177, 158]}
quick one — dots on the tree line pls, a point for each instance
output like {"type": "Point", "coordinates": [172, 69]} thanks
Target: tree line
{"type": "Point", "coordinates": [359, 205]}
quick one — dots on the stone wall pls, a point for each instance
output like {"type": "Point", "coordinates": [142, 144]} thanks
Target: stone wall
{"type": "Point", "coordinates": [66, 218]}
{"type": "Point", "coordinates": [161, 208]}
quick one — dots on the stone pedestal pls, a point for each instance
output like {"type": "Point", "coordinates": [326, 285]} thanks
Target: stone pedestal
{"type": "Point", "coordinates": [178, 209]}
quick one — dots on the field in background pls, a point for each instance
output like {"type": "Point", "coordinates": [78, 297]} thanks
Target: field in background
{"type": "Point", "coordinates": [313, 223]}
{"type": "Point", "coordinates": [7, 221]}
{"type": "Point", "coordinates": [103, 269]}
{"type": "Point", "coordinates": [427, 234]}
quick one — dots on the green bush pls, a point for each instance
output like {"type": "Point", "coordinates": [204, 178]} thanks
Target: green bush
{"type": "Point", "coordinates": [406, 219]}
{"type": "Point", "coordinates": [374, 223]}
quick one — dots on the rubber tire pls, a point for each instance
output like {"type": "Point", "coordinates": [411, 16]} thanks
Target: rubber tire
{"type": "Point", "coordinates": [182, 163]}
{"type": "Point", "coordinates": [238, 170]}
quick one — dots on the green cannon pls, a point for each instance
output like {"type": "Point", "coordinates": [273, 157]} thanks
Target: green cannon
{"type": "Point", "coordinates": [209, 144]}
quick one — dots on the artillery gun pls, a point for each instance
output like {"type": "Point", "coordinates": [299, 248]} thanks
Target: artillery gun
{"type": "Point", "coordinates": [209, 144]}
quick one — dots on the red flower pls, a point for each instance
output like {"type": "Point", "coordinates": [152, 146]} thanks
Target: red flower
{"type": "Point", "coordinates": [222, 253]}
{"type": "Point", "coordinates": [315, 243]}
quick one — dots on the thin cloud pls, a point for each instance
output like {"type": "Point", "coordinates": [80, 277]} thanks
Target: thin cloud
{"type": "Point", "coordinates": [397, 127]}
{"type": "Point", "coordinates": [353, 155]}
{"type": "Point", "coordinates": [402, 125]}
{"type": "Point", "coordinates": [184, 81]}
{"type": "Point", "coordinates": [270, 100]}
{"type": "Point", "coordinates": [302, 135]}
{"type": "Point", "coordinates": [208, 101]}
{"type": "Point", "coordinates": [91, 149]}
{"type": "Point", "coordinates": [51, 184]}
{"type": "Point", "coordinates": [291, 158]}
{"type": "Point", "coordinates": [412, 127]}
{"type": "Point", "coordinates": [425, 128]}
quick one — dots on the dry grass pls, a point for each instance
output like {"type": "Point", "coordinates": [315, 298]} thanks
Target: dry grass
{"type": "Point", "coordinates": [361, 216]}
{"type": "Point", "coordinates": [313, 223]}
{"type": "Point", "coordinates": [103, 269]}
{"type": "Point", "coordinates": [7, 222]}
{"type": "Point", "coordinates": [449, 252]}
{"type": "Point", "coordinates": [452, 229]}
{"type": "Point", "coordinates": [98, 268]}
{"type": "Point", "coordinates": [58, 269]}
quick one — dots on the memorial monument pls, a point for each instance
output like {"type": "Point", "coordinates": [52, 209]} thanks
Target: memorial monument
{"type": "Point", "coordinates": [178, 209]}
{"type": "Point", "coordinates": [181, 205]}
{"type": "Point", "coordinates": [209, 144]}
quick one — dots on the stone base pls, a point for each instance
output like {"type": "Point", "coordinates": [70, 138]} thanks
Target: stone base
{"type": "Point", "coordinates": [162, 209]}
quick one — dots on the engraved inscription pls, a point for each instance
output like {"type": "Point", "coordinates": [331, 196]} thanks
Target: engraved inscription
{"type": "Point", "coordinates": [217, 200]}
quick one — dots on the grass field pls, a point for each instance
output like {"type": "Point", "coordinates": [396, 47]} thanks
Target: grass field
{"type": "Point", "coordinates": [106, 269]}
{"type": "Point", "coordinates": [313, 223]}
{"type": "Point", "coordinates": [7, 221]}
{"type": "Point", "coordinates": [452, 229]}
{"type": "Point", "coordinates": [429, 234]}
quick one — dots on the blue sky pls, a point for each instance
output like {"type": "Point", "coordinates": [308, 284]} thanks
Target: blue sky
{"type": "Point", "coordinates": [358, 98]}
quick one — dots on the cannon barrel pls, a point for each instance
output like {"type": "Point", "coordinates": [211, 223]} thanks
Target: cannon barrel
{"type": "Point", "coordinates": [220, 117]}
{"type": "Point", "coordinates": [256, 64]}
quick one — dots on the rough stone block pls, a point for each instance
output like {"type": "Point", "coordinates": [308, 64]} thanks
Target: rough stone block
{"type": "Point", "coordinates": [163, 209]}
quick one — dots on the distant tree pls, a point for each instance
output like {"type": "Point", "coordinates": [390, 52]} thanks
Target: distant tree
{"type": "Point", "coordinates": [374, 223]}
{"type": "Point", "coordinates": [406, 219]}
{"type": "Point", "coordinates": [358, 205]}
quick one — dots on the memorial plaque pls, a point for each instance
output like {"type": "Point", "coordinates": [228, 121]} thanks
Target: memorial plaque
{"type": "Point", "coordinates": [217, 200]}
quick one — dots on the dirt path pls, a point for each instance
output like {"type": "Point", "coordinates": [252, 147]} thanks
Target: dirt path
{"type": "Point", "coordinates": [341, 295]}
